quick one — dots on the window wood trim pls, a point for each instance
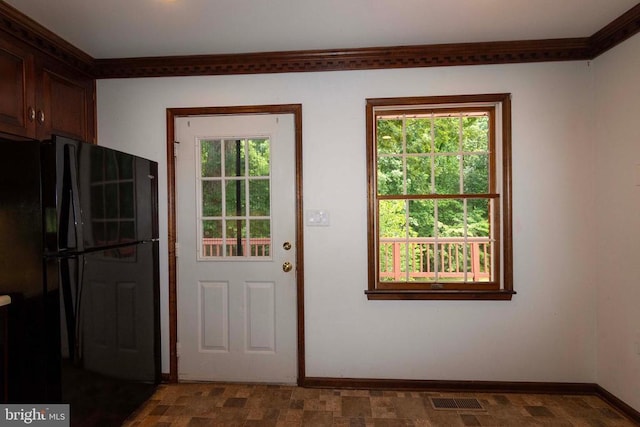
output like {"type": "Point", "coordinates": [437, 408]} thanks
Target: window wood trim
{"type": "Point", "coordinates": [379, 291]}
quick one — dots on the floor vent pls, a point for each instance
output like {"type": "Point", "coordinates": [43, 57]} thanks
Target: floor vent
{"type": "Point", "coordinates": [456, 404]}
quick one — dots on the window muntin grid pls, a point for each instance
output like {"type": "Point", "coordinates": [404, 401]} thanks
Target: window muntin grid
{"type": "Point", "coordinates": [435, 172]}
{"type": "Point", "coordinates": [234, 198]}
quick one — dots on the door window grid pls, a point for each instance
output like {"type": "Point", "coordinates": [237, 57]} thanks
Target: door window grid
{"type": "Point", "coordinates": [233, 198]}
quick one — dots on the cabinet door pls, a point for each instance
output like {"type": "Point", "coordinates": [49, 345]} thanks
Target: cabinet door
{"type": "Point", "coordinates": [17, 109]}
{"type": "Point", "coordinates": [66, 106]}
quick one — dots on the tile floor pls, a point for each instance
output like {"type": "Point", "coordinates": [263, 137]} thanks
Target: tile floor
{"type": "Point", "coordinates": [215, 404]}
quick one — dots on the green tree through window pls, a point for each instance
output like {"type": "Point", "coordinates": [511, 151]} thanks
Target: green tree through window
{"type": "Point", "coordinates": [235, 197]}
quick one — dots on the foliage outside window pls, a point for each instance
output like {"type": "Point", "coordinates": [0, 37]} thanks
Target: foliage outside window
{"type": "Point", "coordinates": [234, 200]}
{"type": "Point", "coordinates": [439, 197]}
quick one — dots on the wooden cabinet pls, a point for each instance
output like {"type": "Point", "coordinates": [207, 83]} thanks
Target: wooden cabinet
{"type": "Point", "coordinates": [17, 90]}
{"type": "Point", "coordinates": [66, 104]}
{"type": "Point", "coordinates": [40, 97]}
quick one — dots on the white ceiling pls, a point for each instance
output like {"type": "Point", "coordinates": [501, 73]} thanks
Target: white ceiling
{"type": "Point", "coordinates": [133, 28]}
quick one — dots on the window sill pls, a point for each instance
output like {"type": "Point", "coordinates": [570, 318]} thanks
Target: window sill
{"type": "Point", "coordinates": [423, 294]}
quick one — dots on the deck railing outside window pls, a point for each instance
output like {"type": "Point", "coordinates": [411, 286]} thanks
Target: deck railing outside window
{"type": "Point", "coordinates": [256, 247]}
{"type": "Point", "coordinates": [424, 260]}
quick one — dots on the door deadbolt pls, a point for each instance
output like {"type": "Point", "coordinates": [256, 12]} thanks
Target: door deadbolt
{"type": "Point", "coordinates": [286, 246]}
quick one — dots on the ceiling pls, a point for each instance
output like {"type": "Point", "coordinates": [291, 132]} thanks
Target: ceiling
{"type": "Point", "coordinates": [142, 28]}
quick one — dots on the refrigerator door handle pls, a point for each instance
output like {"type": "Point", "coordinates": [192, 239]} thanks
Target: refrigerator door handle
{"type": "Point", "coordinates": [72, 158]}
{"type": "Point", "coordinates": [70, 306]}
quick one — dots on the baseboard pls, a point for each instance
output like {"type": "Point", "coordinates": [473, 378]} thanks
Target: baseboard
{"type": "Point", "coordinates": [476, 387]}
{"type": "Point", "coordinates": [453, 386]}
{"type": "Point", "coordinates": [165, 378]}
{"type": "Point", "coordinates": [619, 404]}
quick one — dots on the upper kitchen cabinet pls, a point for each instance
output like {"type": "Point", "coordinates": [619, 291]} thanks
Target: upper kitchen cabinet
{"type": "Point", "coordinates": [66, 103]}
{"type": "Point", "coordinates": [47, 86]}
{"type": "Point", "coordinates": [17, 90]}
{"type": "Point", "coordinates": [40, 97]}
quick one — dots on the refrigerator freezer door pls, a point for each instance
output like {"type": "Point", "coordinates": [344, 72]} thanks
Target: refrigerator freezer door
{"type": "Point", "coordinates": [96, 197]}
{"type": "Point", "coordinates": [117, 197]}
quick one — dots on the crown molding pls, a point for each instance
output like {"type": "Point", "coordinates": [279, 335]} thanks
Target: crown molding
{"type": "Point", "coordinates": [619, 30]}
{"type": "Point", "coordinates": [348, 59]}
{"type": "Point", "coordinates": [25, 29]}
{"type": "Point", "coordinates": [28, 31]}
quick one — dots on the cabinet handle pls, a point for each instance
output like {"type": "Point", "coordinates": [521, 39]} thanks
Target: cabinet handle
{"type": "Point", "coordinates": [41, 117]}
{"type": "Point", "coordinates": [31, 113]}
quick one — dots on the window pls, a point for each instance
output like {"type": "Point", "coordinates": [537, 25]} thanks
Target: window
{"type": "Point", "coordinates": [234, 198]}
{"type": "Point", "coordinates": [439, 218]}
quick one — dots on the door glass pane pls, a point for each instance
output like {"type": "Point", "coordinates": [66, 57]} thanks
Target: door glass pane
{"type": "Point", "coordinates": [211, 198]}
{"type": "Point", "coordinates": [234, 157]}
{"type": "Point", "coordinates": [259, 199]}
{"type": "Point", "coordinates": [259, 157]}
{"type": "Point", "coordinates": [235, 198]}
{"type": "Point", "coordinates": [224, 183]}
{"type": "Point", "coordinates": [236, 238]}
{"type": "Point", "coordinates": [260, 239]}
{"type": "Point", "coordinates": [212, 238]}
{"type": "Point", "coordinates": [210, 160]}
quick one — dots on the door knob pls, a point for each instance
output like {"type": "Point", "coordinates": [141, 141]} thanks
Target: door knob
{"type": "Point", "coordinates": [287, 267]}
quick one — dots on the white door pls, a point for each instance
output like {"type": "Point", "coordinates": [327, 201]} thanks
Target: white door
{"type": "Point", "coordinates": [235, 204]}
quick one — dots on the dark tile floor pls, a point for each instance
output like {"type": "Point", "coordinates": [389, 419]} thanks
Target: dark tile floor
{"type": "Point", "coordinates": [215, 404]}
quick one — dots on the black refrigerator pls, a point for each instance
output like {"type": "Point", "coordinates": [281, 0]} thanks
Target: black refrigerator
{"type": "Point", "coordinates": [79, 259]}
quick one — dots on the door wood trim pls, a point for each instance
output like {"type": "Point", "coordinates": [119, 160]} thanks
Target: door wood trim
{"type": "Point", "coordinates": [172, 115]}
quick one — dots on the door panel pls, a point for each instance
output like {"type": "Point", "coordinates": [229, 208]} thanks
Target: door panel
{"type": "Point", "coordinates": [214, 328]}
{"type": "Point", "coordinates": [235, 188]}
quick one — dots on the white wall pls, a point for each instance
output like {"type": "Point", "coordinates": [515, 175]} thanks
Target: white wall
{"type": "Point", "coordinates": [617, 169]}
{"type": "Point", "coordinates": [546, 333]}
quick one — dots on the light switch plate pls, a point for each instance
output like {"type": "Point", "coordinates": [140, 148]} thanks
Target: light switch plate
{"type": "Point", "coordinates": [317, 218]}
